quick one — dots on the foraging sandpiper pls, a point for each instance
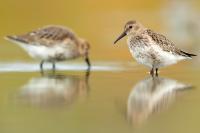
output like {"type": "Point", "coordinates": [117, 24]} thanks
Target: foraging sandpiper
{"type": "Point", "coordinates": [150, 48]}
{"type": "Point", "coordinates": [51, 44]}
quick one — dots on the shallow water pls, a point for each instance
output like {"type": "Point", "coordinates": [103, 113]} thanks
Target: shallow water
{"type": "Point", "coordinates": [34, 67]}
{"type": "Point", "coordinates": [108, 101]}
{"type": "Point", "coordinates": [118, 95]}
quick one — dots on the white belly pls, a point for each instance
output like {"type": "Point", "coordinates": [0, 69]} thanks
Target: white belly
{"type": "Point", "coordinates": [57, 52]}
{"type": "Point", "coordinates": [154, 56]}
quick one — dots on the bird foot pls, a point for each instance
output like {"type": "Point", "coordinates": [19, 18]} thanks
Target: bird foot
{"type": "Point", "coordinates": [154, 73]}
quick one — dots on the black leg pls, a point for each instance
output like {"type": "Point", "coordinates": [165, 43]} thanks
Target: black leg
{"type": "Point", "coordinates": [156, 71]}
{"type": "Point", "coordinates": [41, 65]}
{"type": "Point", "coordinates": [152, 72]}
{"type": "Point", "coordinates": [53, 65]}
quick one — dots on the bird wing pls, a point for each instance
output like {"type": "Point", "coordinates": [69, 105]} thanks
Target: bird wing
{"type": "Point", "coordinates": [48, 35]}
{"type": "Point", "coordinates": [166, 44]}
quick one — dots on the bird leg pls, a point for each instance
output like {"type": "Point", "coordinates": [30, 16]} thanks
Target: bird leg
{"type": "Point", "coordinates": [53, 66]}
{"type": "Point", "coordinates": [156, 71]}
{"type": "Point", "coordinates": [152, 72]}
{"type": "Point", "coordinates": [41, 65]}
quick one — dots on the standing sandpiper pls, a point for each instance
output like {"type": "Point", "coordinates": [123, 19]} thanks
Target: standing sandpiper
{"type": "Point", "coordinates": [52, 43]}
{"type": "Point", "coordinates": [150, 48]}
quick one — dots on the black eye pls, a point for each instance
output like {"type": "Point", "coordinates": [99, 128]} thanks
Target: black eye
{"type": "Point", "coordinates": [130, 27]}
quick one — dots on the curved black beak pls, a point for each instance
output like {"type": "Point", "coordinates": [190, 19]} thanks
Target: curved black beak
{"type": "Point", "coordinates": [120, 37]}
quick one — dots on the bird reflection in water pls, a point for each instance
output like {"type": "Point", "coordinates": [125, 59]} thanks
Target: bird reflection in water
{"type": "Point", "coordinates": [152, 95]}
{"type": "Point", "coordinates": [55, 90]}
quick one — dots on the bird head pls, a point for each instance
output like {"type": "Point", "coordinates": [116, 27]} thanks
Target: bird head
{"type": "Point", "coordinates": [131, 28]}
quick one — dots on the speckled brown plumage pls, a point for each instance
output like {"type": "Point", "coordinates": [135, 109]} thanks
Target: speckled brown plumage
{"type": "Point", "coordinates": [166, 44]}
{"type": "Point", "coordinates": [48, 35]}
{"type": "Point", "coordinates": [52, 43]}
{"type": "Point", "coordinates": [150, 48]}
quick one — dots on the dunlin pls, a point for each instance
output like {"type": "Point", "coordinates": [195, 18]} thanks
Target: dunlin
{"type": "Point", "coordinates": [51, 44]}
{"type": "Point", "coordinates": [150, 48]}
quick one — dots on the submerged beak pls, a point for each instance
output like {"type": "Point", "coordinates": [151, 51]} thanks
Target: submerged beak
{"type": "Point", "coordinates": [120, 37]}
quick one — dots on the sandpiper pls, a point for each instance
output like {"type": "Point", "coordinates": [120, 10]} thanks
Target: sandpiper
{"type": "Point", "coordinates": [52, 43]}
{"type": "Point", "coordinates": [150, 48]}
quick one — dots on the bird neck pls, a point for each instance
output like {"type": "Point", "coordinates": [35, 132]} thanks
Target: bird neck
{"type": "Point", "coordinates": [83, 47]}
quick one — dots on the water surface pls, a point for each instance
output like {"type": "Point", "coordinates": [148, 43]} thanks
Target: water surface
{"type": "Point", "coordinates": [108, 101]}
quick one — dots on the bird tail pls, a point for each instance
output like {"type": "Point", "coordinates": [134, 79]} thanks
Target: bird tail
{"type": "Point", "coordinates": [187, 54]}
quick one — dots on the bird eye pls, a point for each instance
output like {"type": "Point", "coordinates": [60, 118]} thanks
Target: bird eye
{"type": "Point", "coordinates": [130, 27]}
